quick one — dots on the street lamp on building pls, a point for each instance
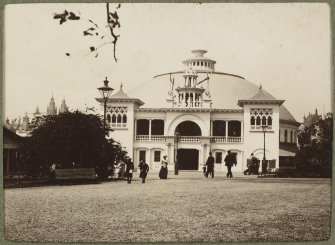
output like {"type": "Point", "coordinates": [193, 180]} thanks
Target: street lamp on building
{"type": "Point", "coordinates": [105, 92]}
{"type": "Point", "coordinates": [176, 166]}
{"type": "Point", "coordinates": [264, 162]}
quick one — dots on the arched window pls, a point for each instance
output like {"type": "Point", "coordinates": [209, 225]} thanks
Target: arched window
{"type": "Point", "coordinates": [285, 136]}
{"type": "Point", "coordinates": [269, 121]}
{"type": "Point", "coordinates": [113, 118]}
{"type": "Point", "coordinates": [119, 119]}
{"type": "Point", "coordinates": [264, 120]}
{"type": "Point", "coordinates": [252, 121]}
{"type": "Point", "coordinates": [108, 118]}
{"type": "Point", "coordinates": [124, 119]}
{"type": "Point", "coordinates": [258, 121]}
{"type": "Point", "coordinates": [291, 136]}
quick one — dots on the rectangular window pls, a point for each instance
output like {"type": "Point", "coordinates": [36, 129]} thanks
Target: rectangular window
{"type": "Point", "coordinates": [218, 157]}
{"type": "Point", "coordinates": [157, 156]}
{"type": "Point", "coordinates": [142, 155]}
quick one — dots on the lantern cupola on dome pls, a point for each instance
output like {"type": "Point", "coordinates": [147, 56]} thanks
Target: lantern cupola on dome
{"type": "Point", "coordinates": [199, 62]}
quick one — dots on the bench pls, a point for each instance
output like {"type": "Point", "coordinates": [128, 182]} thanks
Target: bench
{"type": "Point", "coordinates": [76, 174]}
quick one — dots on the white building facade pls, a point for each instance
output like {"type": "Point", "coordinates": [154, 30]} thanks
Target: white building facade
{"type": "Point", "coordinates": [192, 112]}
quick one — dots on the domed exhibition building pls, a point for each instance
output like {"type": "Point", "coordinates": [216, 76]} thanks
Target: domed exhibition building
{"type": "Point", "coordinates": [187, 114]}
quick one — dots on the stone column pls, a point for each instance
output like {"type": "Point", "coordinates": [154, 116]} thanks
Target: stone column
{"type": "Point", "coordinates": [149, 158]}
{"type": "Point", "coordinates": [226, 130]}
{"type": "Point", "coordinates": [242, 130]}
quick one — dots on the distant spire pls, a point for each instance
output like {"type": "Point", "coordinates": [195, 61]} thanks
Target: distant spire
{"type": "Point", "coordinates": [37, 112]}
{"type": "Point", "coordinates": [63, 108]}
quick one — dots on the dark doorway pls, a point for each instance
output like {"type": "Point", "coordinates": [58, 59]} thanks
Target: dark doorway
{"type": "Point", "coordinates": [188, 159]}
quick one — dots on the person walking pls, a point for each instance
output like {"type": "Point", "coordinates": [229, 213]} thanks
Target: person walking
{"type": "Point", "coordinates": [144, 169]}
{"type": "Point", "coordinates": [210, 165]}
{"type": "Point", "coordinates": [230, 160]}
{"type": "Point", "coordinates": [129, 170]}
{"type": "Point", "coordinates": [163, 173]}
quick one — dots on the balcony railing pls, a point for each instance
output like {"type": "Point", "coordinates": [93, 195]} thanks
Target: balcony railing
{"type": "Point", "coordinates": [213, 139]}
{"type": "Point", "coordinates": [259, 127]}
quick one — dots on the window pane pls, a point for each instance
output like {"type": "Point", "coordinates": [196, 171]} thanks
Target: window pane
{"type": "Point", "coordinates": [142, 155]}
{"type": "Point", "coordinates": [218, 157]}
{"type": "Point", "coordinates": [157, 156]}
{"type": "Point", "coordinates": [142, 127]}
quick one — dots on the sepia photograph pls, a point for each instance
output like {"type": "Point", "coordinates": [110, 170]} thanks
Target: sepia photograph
{"type": "Point", "coordinates": [167, 122]}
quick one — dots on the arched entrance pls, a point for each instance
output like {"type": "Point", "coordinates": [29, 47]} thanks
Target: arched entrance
{"type": "Point", "coordinates": [188, 128]}
{"type": "Point", "coordinates": [188, 158]}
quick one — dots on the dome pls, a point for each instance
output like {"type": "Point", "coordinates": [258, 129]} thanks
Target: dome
{"type": "Point", "coordinates": [225, 90]}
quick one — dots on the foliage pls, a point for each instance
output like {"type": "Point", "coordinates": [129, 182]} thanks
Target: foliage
{"type": "Point", "coordinates": [314, 158]}
{"type": "Point", "coordinates": [95, 31]}
{"type": "Point", "coordinates": [68, 139]}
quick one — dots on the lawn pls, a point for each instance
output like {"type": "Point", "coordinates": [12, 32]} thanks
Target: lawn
{"type": "Point", "coordinates": [187, 207]}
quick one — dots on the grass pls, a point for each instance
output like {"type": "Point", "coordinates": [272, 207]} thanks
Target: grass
{"type": "Point", "coordinates": [187, 207]}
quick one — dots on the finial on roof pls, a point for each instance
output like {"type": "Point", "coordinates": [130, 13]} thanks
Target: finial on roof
{"type": "Point", "coordinates": [121, 86]}
{"type": "Point", "coordinates": [260, 86]}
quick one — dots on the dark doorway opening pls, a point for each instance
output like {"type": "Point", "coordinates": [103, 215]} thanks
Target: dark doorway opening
{"type": "Point", "coordinates": [188, 159]}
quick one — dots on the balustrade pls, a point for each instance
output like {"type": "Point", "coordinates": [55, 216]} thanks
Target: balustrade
{"type": "Point", "coordinates": [213, 139]}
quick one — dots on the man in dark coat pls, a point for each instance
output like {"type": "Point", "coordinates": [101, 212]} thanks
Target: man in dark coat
{"type": "Point", "coordinates": [210, 165]}
{"type": "Point", "coordinates": [129, 170]}
{"type": "Point", "coordinates": [144, 169]}
{"type": "Point", "coordinates": [230, 160]}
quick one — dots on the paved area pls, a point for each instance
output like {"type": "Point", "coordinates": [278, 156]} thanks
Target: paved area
{"type": "Point", "coordinates": [187, 207]}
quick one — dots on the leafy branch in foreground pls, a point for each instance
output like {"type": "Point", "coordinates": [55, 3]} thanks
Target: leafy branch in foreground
{"type": "Point", "coordinates": [94, 30]}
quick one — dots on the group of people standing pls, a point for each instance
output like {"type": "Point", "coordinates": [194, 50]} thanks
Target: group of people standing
{"type": "Point", "coordinates": [144, 169]}
{"type": "Point", "coordinates": [230, 160]}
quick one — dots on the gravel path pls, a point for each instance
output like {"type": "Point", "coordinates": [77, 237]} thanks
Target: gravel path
{"type": "Point", "coordinates": [187, 207]}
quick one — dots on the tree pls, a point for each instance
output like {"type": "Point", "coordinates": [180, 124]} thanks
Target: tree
{"type": "Point", "coordinates": [314, 158]}
{"type": "Point", "coordinates": [68, 138]}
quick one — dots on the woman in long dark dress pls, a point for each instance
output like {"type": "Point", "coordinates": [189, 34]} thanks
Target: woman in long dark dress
{"type": "Point", "coordinates": [164, 170]}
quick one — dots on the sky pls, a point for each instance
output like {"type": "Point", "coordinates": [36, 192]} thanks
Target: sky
{"type": "Point", "coordinates": [284, 46]}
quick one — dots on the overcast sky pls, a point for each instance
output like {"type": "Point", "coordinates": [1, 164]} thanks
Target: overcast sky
{"type": "Point", "coordinates": [286, 47]}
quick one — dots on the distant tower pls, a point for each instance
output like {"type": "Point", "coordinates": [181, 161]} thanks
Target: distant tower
{"type": "Point", "coordinates": [63, 107]}
{"type": "Point", "coordinates": [37, 112]}
{"type": "Point", "coordinates": [25, 122]}
{"type": "Point", "coordinates": [52, 109]}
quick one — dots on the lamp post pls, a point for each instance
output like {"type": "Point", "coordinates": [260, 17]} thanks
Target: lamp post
{"type": "Point", "coordinates": [105, 92]}
{"type": "Point", "coordinates": [264, 162]}
{"type": "Point", "coordinates": [176, 166]}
